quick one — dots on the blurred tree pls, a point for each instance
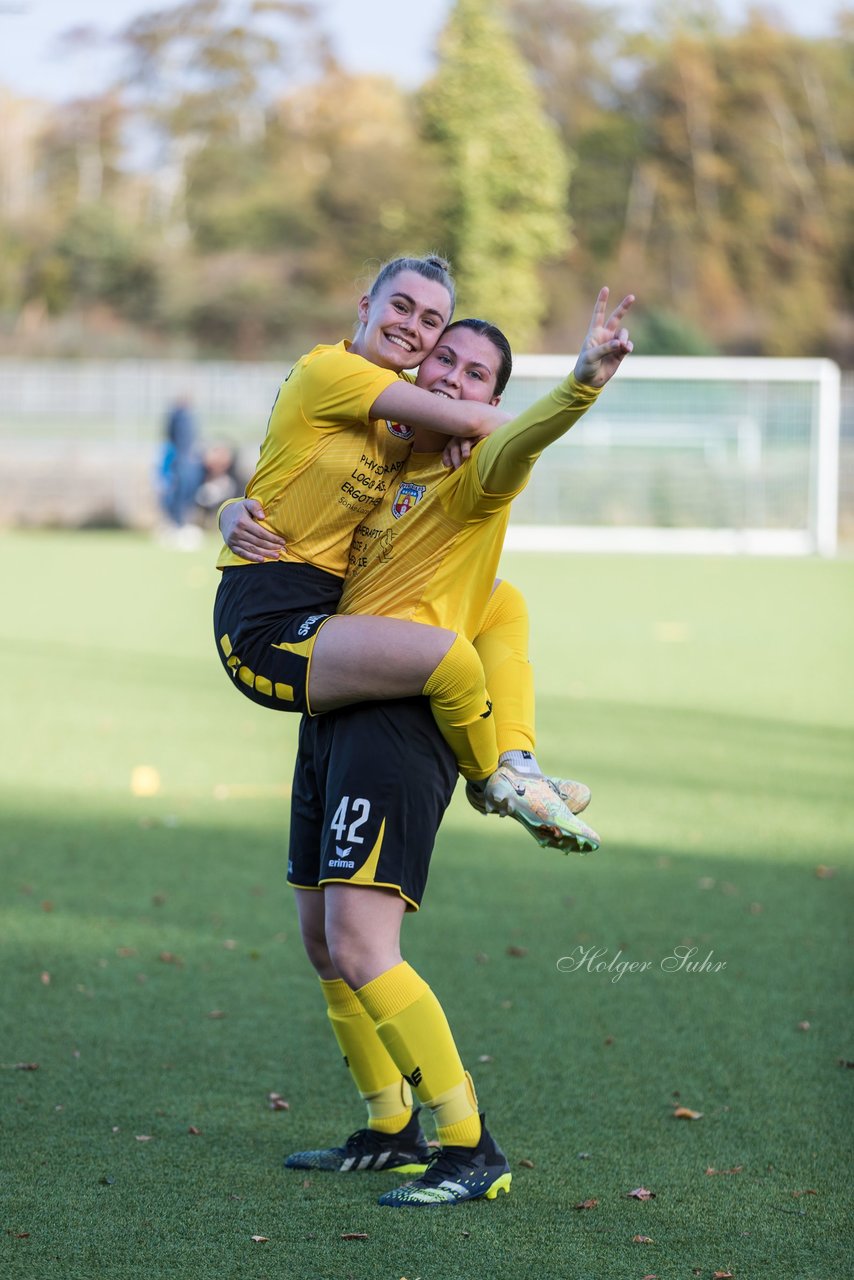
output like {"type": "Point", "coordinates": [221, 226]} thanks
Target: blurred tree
{"type": "Point", "coordinates": [735, 215]}
{"type": "Point", "coordinates": [505, 170]}
{"type": "Point", "coordinates": [205, 75]}
{"type": "Point", "coordinates": [100, 260]}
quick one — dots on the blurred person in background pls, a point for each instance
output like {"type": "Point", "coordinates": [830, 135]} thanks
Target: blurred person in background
{"type": "Point", "coordinates": [181, 474]}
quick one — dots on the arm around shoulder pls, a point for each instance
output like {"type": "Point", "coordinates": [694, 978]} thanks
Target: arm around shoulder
{"type": "Point", "coordinates": [404, 402]}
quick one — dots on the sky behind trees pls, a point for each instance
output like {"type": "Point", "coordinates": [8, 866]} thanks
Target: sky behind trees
{"type": "Point", "coordinates": [229, 192]}
{"type": "Point", "coordinates": [368, 36]}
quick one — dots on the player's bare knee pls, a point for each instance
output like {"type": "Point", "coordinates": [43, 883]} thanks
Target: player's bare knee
{"type": "Point", "coordinates": [314, 943]}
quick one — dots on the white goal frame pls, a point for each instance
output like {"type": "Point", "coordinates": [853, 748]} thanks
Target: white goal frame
{"type": "Point", "coordinates": [817, 536]}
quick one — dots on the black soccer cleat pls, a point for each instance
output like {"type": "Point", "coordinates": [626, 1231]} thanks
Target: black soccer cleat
{"type": "Point", "coordinates": [455, 1174]}
{"type": "Point", "coordinates": [368, 1149]}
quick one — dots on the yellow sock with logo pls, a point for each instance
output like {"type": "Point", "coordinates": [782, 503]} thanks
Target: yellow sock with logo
{"type": "Point", "coordinates": [413, 1027]}
{"type": "Point", "coordinates": [502, 646]}
{"type": "Point", "coordinates": [462, 710]}
{"type": "Point", "coordinates": [385, 1092]}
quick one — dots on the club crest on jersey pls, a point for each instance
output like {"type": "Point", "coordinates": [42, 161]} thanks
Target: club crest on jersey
{"type": "Point", "coordinates": [398, 430]}
{"type": "Point", "coordinates": [406, 497]}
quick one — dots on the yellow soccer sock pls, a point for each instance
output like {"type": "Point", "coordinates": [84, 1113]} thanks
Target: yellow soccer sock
{"type": "Point", "coordinates": [462, 710]}
{"type": "Point", "coordinates": [502, 646]}
{"type": "Point", "coordinates": [413, 1027]}
{"type": "Point", "coordinates": [387, 1095]}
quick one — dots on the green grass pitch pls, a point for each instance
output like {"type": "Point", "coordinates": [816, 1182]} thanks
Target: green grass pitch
{"type": "Point", "coordinates": [709, 705]}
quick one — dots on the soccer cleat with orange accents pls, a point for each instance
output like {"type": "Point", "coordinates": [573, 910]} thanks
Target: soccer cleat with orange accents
{"type": "Point", "coordinates": [536, 802]}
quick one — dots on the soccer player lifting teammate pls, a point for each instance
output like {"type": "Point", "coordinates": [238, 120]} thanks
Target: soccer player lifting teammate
{"type": "Point", "coordinates": [332, 451]}
{"type": "Point", "coordinates": [371, 782]}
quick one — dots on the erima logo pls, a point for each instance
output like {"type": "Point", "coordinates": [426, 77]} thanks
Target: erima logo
{"type": "Point", "coordinates": [310, 621]}
{"type": "Point", "coordinates": [415, 1079]}
{"type": "Point", "coordinates": [342, 860]}
{"type": "Point", "coordinates": [484, 715]}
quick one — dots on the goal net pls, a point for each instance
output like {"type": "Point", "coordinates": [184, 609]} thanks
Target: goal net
{"type": "Point", "coordinates": [684, 454]}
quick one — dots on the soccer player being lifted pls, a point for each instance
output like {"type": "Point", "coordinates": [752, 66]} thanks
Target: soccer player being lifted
{"type": "Point", "coordinates": [372, 782]}
{"type": "Point", "coordinates": [334, 448]}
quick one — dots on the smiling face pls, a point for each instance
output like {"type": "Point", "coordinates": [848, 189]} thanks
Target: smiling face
{"type": "Point", "coordinates": [464, 365]}
{"type": "Point", "coordinates": [400, 325]}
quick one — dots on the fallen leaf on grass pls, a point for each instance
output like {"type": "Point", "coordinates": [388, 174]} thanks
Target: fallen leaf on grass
{"type": "Point", "coordinates": [825, 873]}
{"type": "Point", "coordinates": [651, 1276]}
{"type": "Point", "coordinates": [723, 1275]}
{"type": "Point", "coordinates": [19, 1066]}
{"type": "Point", "coordinates": [685, 1113]}
{"type": "Point", "coordinates": [736, 1169]}
{"type": "Point", "coordinates": [804, 1193]}
{"type": "Point", "coordinates": [168, 957]}
{"type": "Point", "coordinates": [126, 952]}
{"type": "Point", "coordinates": [276, 1102]}
{"type": "Point", "coordinates": [44, 978]}
{"type": "Point", "coordinates": [586, 1204]}
{"type": "Point", "coordinates": [526, 1164]}
{"type": "Point", "coordinates": [216, 1013]}
{"type": "Point", "coordinates": [486, 1057]}
{"type": "Point", "coordinates": [518, 952]}
{"type": "Point", "coordinates": [260, 1239]}
{"type": "Point", "coordinates": [196, 1132]}
{"type": "Point", "coordinates": [354, 1235]}
{"type": "Point", "coordinates": [144, 1137]}
{"type": "Point", "coordinates": [642, 1240]}
{"type": "Point", "coordinates": [640, 1193]}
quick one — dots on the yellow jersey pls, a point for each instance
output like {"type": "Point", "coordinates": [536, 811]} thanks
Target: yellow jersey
{"type": "Point", "coordinates": [430, 552]}
{"type": "Point", "coordinates": [324, 463]}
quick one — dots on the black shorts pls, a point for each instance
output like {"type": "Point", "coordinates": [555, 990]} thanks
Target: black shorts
{"type": "Point", "coordinates": [266, 620]}
{"type": "Point", "coordinates": [371, 785]}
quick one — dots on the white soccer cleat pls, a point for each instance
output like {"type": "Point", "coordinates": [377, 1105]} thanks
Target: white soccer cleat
{"type": "Point", "coordinates": [538, 804]}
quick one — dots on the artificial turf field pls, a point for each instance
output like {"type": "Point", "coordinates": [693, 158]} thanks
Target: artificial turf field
{"type": "Point", "coordinates": [152, 971]}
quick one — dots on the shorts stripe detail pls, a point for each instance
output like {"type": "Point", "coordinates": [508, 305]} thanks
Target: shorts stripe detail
{"type": "Point", "coordinates": [284, 692]}
{"type": "Point", "coordinates": [368, 870]}
{"type": "Point", "coordinates": [225, 645]}
{"type": "Point", "coordinates": [375, 884]}
{"type": "Point", "coordinates": [302, 648]}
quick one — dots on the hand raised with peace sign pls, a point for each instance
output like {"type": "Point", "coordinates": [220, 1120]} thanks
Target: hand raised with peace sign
{"type": "Point", "coordinates": [606, 344]}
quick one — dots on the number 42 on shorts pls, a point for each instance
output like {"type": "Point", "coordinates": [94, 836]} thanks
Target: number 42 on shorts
{"type": "Point", "coordinates": [349, 816]}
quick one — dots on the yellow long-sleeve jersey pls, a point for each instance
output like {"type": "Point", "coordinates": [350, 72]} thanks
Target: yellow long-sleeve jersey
{"type": "Point", "coordinates": [429, 553]}
{"type": "Point", "coordinates": [324, 463]}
